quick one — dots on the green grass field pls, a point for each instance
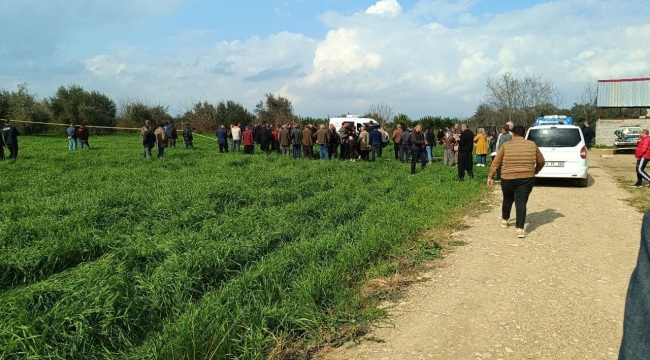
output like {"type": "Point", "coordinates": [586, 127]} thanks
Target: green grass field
{"type": "Point", "coordinates": [106, 254]}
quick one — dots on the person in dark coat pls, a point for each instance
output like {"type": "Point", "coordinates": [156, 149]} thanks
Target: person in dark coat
{"type": "Point", "coordinates": [334, 141]}
{"type": "Point", "coordinates": [256, 133]}
{"type": "Point", "coordinates": [10, 135]}
{"type": "Point", "coordinates": [188, 138]}
{"type": "Point", "coordinates": [296, 141]}
{"type": "Point", "coordinates": [148, 139]}
{"type": "Point", "coordinates": [589, 134]}
{"type": "Point", "coordinates": [171, 135]}
{"type": "Point", "coordinates": [417, 148]}
{"type": "Point", "coordinates": [265, 138]}
{"type": "Point", "coordinates": [222, 139]}
{"type": "Point", "coordinates": [465, 148]}
{"type": "Point", "coordinates": [82, 135]}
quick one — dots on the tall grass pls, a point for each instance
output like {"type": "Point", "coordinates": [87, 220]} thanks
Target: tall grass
{"type": "Point", "coordinates": [197, 255]}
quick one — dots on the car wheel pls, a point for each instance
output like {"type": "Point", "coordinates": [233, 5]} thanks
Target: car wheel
{"type": "Point", "coordinates": [583, 182]}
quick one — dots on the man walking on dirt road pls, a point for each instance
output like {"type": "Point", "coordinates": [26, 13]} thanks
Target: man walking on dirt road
{"type": "Point", "coordinates": [642, 155]}
{"type": "Point", "coordinates": [519, 160]}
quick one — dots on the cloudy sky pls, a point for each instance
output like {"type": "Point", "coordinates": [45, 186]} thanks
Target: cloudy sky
{"type": "Point", "coordinates": [422, 57]}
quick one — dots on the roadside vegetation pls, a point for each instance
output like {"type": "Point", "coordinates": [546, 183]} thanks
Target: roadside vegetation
{"type": "Point", "coordinates": [106, 254]}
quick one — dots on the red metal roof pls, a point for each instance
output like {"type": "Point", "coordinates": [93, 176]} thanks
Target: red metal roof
{"type": "Point", "coordinates": [625, 80]}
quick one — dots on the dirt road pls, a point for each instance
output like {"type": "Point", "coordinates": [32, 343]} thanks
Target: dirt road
{"type": "Point", "coordinates": [558, 294]}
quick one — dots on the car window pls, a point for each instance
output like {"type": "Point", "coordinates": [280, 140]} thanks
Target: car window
{"type": "Point", "coordinates": [555, 137]}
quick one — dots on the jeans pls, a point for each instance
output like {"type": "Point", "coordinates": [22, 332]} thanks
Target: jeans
{"type": "Point", "coordinates": [296, 151]}
{"type": "Point", "coordinates": [223, 148]}
{"type": "Point", "coordinates": [376, 151]}
{"type": "Point", "coordinates": [189, 144]}
{"type": "Point", "coordinates": [517, 191]}
{"type": "Point", "coordinates": [286, 151]}
{"type": "Point", "coordinates": [429, 153]}
{"type": "Point", "coordinates": [235, 145]}
{"type": "Point", "coordinates": [324, 152]}
{"type": "Point", "coordinates": [84, 142]}
{"type": "Point", "coordinates": [249, 149]}
{"type": "Point", "coordinates": [171, 143]}
{"type": "Point", "coordinates": [396, 147]}
{"type": "Point", "coordinates": [72, 144]}
{"type": "Point", "coordinates": [481, 159]}
{"type": "Point", "coordinates": [640, 171]}
{"type": "Point", "coordinates": [404, 152]}
{"type": "Point", "coordinates": [161, 152]}
{"type": "Point", "coordinates": [465, 164]}
{"type": "Point", "coordinates": [636, 323]}
{"type": "Point", "coordinates": [416, 154]}
{"type": "Point", "coordinates": [2, 153]}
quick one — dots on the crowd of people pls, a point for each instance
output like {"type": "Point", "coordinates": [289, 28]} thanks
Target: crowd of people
{"type": "Point", "coordinates": [162, 137]}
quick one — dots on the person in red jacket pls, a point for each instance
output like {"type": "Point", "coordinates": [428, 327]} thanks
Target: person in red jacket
{"type": "Point", "coordinates": [276, 139]}
{"type": "Point", "coordinates": [642, 157]}
{"type": "Point", "coordinates": [249, 143]}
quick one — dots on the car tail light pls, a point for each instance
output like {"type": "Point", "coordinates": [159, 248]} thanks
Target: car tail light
{"type": "Point", "coordinates": [583, 152]}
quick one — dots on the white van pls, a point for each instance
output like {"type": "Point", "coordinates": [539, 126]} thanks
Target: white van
{"type": "Point", "coordinates": [352, 120]}
{"type": "Point", "coordinates": [564, 150]}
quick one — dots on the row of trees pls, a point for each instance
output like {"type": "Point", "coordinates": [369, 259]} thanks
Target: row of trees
{"type": "Point", "coordinates": [519, 99]}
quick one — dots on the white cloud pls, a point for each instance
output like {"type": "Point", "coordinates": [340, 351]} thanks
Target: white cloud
{"type": "Point", "coordinates": [385, 8]}
{"type": "Point", "coordinates": [342, 54]}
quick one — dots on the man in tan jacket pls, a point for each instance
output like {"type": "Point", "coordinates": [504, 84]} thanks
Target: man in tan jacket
{"type": "Point", "coordinates": [161, 140]}
{"type": "Point", "coordinates": [519, 160]}
{"type": "Point", "coordinates": [396, 140]}
{"type": "Point", "coordinates": [323, 140]}
{"type": "Point", "coordinates": [307, 143]}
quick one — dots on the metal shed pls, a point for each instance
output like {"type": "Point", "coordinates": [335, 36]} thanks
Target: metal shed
{"type": "Point", "coordinates": [624, 93]}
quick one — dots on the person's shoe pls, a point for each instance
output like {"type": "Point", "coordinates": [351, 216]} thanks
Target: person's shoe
{"type": "Point", "coordinates": [636, 186]}
{"type": "Point", "coordinates": [504, 223]}
{"type": "Point", "coordinates": [521, 233]}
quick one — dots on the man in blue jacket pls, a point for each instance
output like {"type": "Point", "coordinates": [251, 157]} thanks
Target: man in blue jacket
{"type": "Point", "coordinates": [376, 139]}
{"type": "Point", "coordinates": [72, 137]}
{"type": "Point", "coordinates": [222, 139]}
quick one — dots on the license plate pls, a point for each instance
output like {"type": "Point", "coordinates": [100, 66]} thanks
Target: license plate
{"type": "Point", "coordinates": [631, 140]}
{"type": "Point", "coordinates": [555, 164]}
